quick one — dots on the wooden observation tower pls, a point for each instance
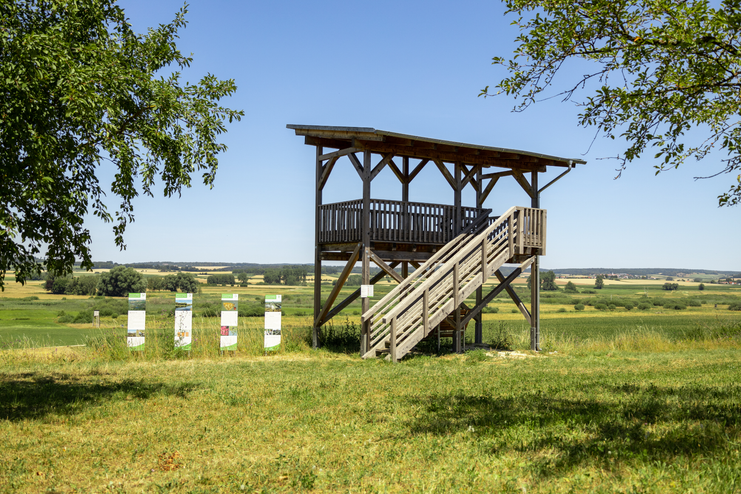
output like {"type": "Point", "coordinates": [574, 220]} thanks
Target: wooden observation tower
{"type": "Point", "coordinates": [453, 249]}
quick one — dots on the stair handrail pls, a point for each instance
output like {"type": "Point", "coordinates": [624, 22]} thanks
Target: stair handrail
{"type": "Point", "coordinates": [440, 273]}
{"type": "Point", "coordinates": [427, 266]}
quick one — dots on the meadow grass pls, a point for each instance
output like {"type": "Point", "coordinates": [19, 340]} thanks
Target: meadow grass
{"type": "Point", "coordinates": [636, 418]}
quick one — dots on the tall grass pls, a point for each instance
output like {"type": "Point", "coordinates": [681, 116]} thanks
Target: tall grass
{"type": "Point", "coordinates": [110, 343]}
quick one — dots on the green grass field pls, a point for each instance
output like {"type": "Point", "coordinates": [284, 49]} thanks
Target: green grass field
{"type": "Point", "coordinates": [627, 421]}
{"type": "Point", "coordinates": [618, 401]}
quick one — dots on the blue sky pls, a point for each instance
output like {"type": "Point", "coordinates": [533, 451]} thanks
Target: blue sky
{"type": "Point", "coordinates": [411, 67]}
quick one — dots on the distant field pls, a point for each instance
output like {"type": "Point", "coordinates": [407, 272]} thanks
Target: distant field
{"type": "Point", "coordinates": [28, 314]}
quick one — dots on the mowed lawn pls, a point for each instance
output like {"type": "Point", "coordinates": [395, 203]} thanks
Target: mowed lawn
{"type": "Point", "coordinates": [621, 421]}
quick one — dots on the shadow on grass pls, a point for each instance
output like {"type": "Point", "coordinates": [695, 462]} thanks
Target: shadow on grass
{"type": "Point", "coordinates": [622, 422]}
{"type": "Point", "coordinates": [34, 396]}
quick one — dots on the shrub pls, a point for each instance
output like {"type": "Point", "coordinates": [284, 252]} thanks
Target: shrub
{"type": "Point", "coordinates": [570, 288]}
{"type": "Point", "coordinates": [736, 306]}
{"type": "Point", "coordinates": [600, 306]}
{"type": "Point", "coordinates": [644, 306]}
{"type": "Point", "coordinates": [694, 303]}
{"type": "Point", "coordinates": [612, 306]}
{"type": "Point", "coordinates": [561, 310]}
{"type": "Point", "coordinates": [589, 291]}
{"type": "Point", "coordinates": [84, 317]}
{"type": "Point", "coordinates": [579, 307]}
{"type": "Point", "coordinates": [675, 306]}
{"type": "Point", "coordinates": [252, 310]}
{"type": "Point", "coordinates": [502, 339]}
{"type": "Point", "coordinates": [628, 305]}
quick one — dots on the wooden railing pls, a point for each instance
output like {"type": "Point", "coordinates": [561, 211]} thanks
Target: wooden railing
{"type": "Point", "coordinates": [392, 221]}
{"type": "Point", "coordinates": [411, 310]}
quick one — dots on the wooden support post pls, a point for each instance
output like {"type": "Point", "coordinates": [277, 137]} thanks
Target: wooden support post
{"type": "Point", "coordinates": [365, 303]}
{"type": "Point", "coordinates": [317, 250]}
{"type": "Point", "coordinates": [479, 324]}
{"type": "Point", "coordinates": [456, 304]}
{"type": "Point", "coordinates": [535, 278]}
{"type": "Point", "coordinates": [405, 225]}
{"type": "Point", "coordinates": [457, 226]}
{"type": "Point", "coordinates": [426, 311]}
{"type": "Point", "coordinates": [392, 341]}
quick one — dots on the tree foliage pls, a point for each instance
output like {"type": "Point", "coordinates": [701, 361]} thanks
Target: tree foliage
{"type": "Point", "coordinates": [599, 282]}
{"type": "Point", "coordinates": [657, 69]}
{"type": "Point", "coordinates": [120, 281]}
{"type": "Point", "coordinates": [79, 87]}
{"type": "Point", "coordinates": [180, 282]}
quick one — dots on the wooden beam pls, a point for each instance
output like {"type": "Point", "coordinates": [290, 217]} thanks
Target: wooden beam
{"type": "Point", "coordinates": [503, 284]}
{"type": "Point", "coordinates": [488, 189]}
{"type": "Point", "coordinates": [523, 182]}
{"type": "Point", "coordinates": [514, 297]}
{"type": "Point", "coordinates": [509, 161]}
{"type": "Point", "coordinates": [330, 143]}
{"type": "Point", "coordinates": [385, 267]}
{"type": "Point", "coordinates": [338, 286]}
{"type": "Point", "coordinates": [468, 176]}
{"type": "Point", "coordinates": [356, 163]}
{"type": "Point", "coordinates": [417, 169]}
{"type": "Point", "coordinates": [354, 295]}
{"type": "Point", "coordinates": [338, 154]}
{"type": "Point", "coordinates": [497, 175]}
{"type": "Point", "coordinates": [381, 164]}
{"type": "Point", "coordinates": [445, 173]}
{"type": "Point", "coordinates": [397, 172]}
{"type": "Point", "coordinates": [326, 170]}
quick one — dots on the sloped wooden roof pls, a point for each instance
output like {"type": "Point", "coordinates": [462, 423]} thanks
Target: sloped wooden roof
{"type": "Point", "coordinates": [383, 142]}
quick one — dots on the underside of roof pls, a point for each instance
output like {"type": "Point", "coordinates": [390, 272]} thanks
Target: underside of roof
{"type": "Point", "coordinates": [384, 142]}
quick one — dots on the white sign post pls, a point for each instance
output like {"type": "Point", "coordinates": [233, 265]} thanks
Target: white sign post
{"type": "Point", "coordinates": [273, 304]}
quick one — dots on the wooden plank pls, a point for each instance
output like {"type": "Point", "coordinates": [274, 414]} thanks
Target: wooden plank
{"type": "Point", "coordinates": [338, 286]}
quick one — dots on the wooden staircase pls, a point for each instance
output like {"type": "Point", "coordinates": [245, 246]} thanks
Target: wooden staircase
{"type": "Point", "coordinates": [423, 300]}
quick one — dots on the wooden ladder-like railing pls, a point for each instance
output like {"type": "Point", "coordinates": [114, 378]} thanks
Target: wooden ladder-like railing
{"type": "Point", "coordinates": [416, 306]}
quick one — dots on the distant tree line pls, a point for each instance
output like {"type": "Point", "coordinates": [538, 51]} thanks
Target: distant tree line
{"type": "Point", "coordinates": [180, 282]}
{"type": "Point", "coordinates": [287, 275]}
{"type": "Point", "coordinates": [119, 282]}
{"type": "Point", "coordinates": [220, 279]}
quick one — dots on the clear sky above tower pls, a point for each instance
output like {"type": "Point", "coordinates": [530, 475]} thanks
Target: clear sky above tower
{"type": "Point", "coordinates": [413, 67]}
